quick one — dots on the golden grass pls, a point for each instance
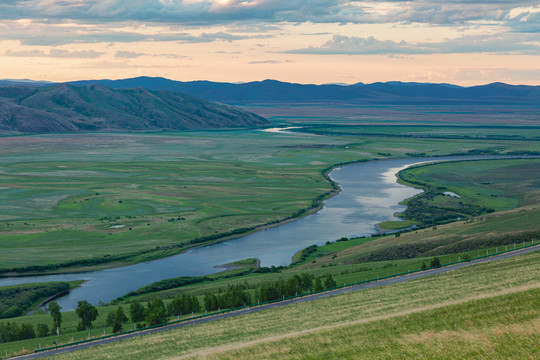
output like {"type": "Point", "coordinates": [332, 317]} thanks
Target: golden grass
{"type": "Point", "coordinates": [415, 338]}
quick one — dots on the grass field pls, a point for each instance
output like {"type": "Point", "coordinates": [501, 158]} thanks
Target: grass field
{"type": "Point", "coordinates": [496, 184]}
{"type": "Point", "coordinates": [490, 310]}
{"type": "Point", "coordinates": [464, 131]}
{"type": "Point", "coordinates": [149, 190]}
{"type": "Point", "coordinates": [132, 197]}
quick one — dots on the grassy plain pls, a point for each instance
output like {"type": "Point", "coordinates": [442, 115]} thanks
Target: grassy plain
{"type": "Point", "coordinates": [126, 198]}
{"type": "Point", "coordinates": [490, 310]}
{"type": "Point", "coordinates": [110, 194]}
{"type": "Point", "coordinates": [496, 184]}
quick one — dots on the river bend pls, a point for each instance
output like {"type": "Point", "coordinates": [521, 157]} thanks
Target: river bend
{"type": "Point", "coordinates": [369, 195]}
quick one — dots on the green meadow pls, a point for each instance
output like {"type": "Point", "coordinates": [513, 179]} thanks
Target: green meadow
{"type": "Point", "coordinates": [496, 184]}
{"type": "Point", "coordinates": [119, 198]}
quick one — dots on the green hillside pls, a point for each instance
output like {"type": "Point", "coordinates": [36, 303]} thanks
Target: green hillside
{"type": "Point", "coordinates": [490, 311]}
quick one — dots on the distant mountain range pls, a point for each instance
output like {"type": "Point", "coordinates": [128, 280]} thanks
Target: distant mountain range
{"type": "Point", "coordinates": [272, 92]}
{"type": "Point", "coordinates": [153, 103]}
{"type": "Point", "coordinates": [37, 108]}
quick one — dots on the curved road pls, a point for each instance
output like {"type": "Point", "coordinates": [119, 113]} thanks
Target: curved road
{"type": "Point", "coordinates": [312, 297]}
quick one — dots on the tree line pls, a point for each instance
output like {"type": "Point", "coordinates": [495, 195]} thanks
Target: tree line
{"type": "Point", "coordinates": [155, 311]}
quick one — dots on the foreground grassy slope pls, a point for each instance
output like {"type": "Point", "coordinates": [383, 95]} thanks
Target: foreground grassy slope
{"type": "Point", "coordinates": [461, 330]}
{"type": "Point", "coordinates": [494, 308]}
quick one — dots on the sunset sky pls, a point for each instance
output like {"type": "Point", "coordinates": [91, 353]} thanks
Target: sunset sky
{"type": "Point", "coordinates": [310, 41]}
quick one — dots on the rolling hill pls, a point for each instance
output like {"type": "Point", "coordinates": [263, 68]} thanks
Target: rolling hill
{"type": "Point", "coordinates": [66, 107]}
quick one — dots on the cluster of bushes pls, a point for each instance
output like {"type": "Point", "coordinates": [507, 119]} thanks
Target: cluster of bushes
{"type": "Point", "coordinates": [234, 297]}
{"type": "Point", "coordinates": [11, 331]}
{"type": "Point", "coordinates": [305, 254]}
{"type": "Point", "coordinates": [297, 284]}
{"type": "Point", "coordinates": [421, 209]}
{"type": "Point", "coordinates": [271, 269]}
{"type": "Point", "coordinates": [206, 238]}
{"type": "Point", "coordinates": [16, 300]}
{"type": "Point", "coordinates": [165, 285]}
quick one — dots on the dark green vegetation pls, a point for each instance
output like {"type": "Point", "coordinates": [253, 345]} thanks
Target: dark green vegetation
{"type": "Point", "coordinates": [18, 299]}
{"type": "Point", "coordinates": [62, 108]}
{"type": "Point", "coordinates": [454, 131]}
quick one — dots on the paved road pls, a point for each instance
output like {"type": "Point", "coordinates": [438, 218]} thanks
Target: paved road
{"type": "Point", "coordinates": [326, 294]}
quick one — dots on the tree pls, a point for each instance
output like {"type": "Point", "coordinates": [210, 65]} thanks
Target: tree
{"type": "Point", "coordinates": [435, 262]}
{"type": "Point", "coordinates": [87, 312]}
{"type": "Point", "coordinates": [117, 319]}
{"type": "Point", "coordinates": [329, 282]}
{"type": "Point", "coordinates": [268, 293]}
{"type": "Point", "coordinates": [9, 332]}
{"type": "Point", "coordinates": [306, 281]}
{"type": "Point", "coordinates": [155, 312]}
{"type": "Point", "coordinates": [136, 311]}
{"type": "Point", "coordinates": [192, 304]}
{"type": "Point", "coordinates": [177, 306]}
{"type": "Point", "coordinates": [26, 331]}
{"type": "Point", "coordinates": [317, 284]}
{"type": "Point", "coordinates": [42, 330]}
{"type": "Point", "coordinates": [210, 302]}
{"type": "Point", "coordinates": [54, 309]}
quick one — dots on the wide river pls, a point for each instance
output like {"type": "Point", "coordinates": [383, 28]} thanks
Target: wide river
{"type": "Point", "coordinates": [370, 195]}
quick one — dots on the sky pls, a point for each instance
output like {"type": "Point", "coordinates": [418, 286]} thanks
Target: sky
{"type": "Point", "coordinates": [311, 41]}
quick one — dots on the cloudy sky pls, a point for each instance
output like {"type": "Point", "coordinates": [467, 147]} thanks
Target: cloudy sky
{"type": "Point", "coordinates": [310, 41]}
